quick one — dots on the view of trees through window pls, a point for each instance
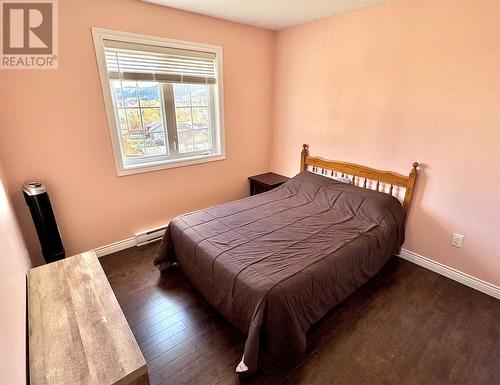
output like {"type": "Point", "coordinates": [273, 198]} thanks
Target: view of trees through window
{"type": "Point", "coordinates": [140, 117]}
{"type": "Point", "coordinates": [140, 111]}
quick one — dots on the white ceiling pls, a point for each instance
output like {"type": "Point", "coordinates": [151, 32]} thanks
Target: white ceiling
{"type": "Point", "coordinates": [270, 14]}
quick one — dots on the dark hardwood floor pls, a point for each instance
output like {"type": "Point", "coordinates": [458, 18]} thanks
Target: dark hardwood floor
{"type": "Point", "coordinates": [405, 326]}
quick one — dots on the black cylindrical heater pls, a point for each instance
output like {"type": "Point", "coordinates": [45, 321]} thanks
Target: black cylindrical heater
{"type": "Point", "coordinates": [38, 201]}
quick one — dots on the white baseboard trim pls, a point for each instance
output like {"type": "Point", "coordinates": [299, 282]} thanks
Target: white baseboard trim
{"type": "Point", "coordinates": [451, 273]}
{"type": "Point", "coordinates": [116, 246]}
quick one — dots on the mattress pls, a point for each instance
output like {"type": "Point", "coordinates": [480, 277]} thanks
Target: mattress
{"type": "Point", "coordinates": [273, 264]}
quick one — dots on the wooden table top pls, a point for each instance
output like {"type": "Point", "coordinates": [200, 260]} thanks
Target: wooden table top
{"type": "Point", "coordinates": [77, 331]}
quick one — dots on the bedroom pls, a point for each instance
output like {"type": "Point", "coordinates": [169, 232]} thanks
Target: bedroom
{"type": "Point", "coordinates": [376, 83]}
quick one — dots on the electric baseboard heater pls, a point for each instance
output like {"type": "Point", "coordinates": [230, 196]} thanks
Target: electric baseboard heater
{"type": "Point", "coordinates": [150, 236]}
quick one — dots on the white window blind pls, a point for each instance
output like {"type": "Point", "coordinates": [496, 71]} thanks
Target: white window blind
{"type": "Point", "coordinates": [140, 62]}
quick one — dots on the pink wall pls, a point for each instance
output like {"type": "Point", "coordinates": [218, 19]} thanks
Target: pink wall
{"type": "Point", "coordinates": [404, 81]}
{"type": "Point", "coordinates": [55, 129]}
{"type": "Point", "coordinates": [13, 265]}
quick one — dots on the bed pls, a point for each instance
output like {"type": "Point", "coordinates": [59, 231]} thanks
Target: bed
{"type": "Point", "coordinates": [275, 263]}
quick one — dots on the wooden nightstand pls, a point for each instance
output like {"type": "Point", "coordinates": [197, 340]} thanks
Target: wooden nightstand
{"type": "Point", "coordinates": [265, 182]}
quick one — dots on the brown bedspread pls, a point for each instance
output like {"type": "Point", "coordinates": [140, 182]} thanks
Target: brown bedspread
{"type": "Point", "coordinates": [275, 263]}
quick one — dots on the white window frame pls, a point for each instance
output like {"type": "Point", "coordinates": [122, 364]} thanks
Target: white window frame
{"type": "Point", "coordinates": [99, 35]}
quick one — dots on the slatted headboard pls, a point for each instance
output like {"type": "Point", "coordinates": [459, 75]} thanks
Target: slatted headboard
{"type": "Point", "coordinates": [363, 176]}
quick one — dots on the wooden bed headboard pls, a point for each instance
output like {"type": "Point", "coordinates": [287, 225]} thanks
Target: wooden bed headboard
{"type": "Point", "coordinates": [363, 176]}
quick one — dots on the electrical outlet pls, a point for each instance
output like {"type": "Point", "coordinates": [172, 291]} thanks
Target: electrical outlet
{"type": "Point", "coordinates": [457, 240]}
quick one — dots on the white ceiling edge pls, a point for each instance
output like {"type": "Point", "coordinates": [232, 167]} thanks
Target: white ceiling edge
{"type": "Point", "coordinates": [268, 14]}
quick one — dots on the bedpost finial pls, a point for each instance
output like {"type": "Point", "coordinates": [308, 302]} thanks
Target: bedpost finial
{"type": "Point", "coordinates": [303, 155]}
{"type": "Point", "coordinates": [415, 165]}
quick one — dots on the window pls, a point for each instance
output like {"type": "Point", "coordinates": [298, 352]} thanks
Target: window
{"type": "Point", "coordinates": [163, 100]}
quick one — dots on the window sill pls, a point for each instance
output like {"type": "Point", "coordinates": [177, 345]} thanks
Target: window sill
{"type": "Point", "coordinates": [171, 163]}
